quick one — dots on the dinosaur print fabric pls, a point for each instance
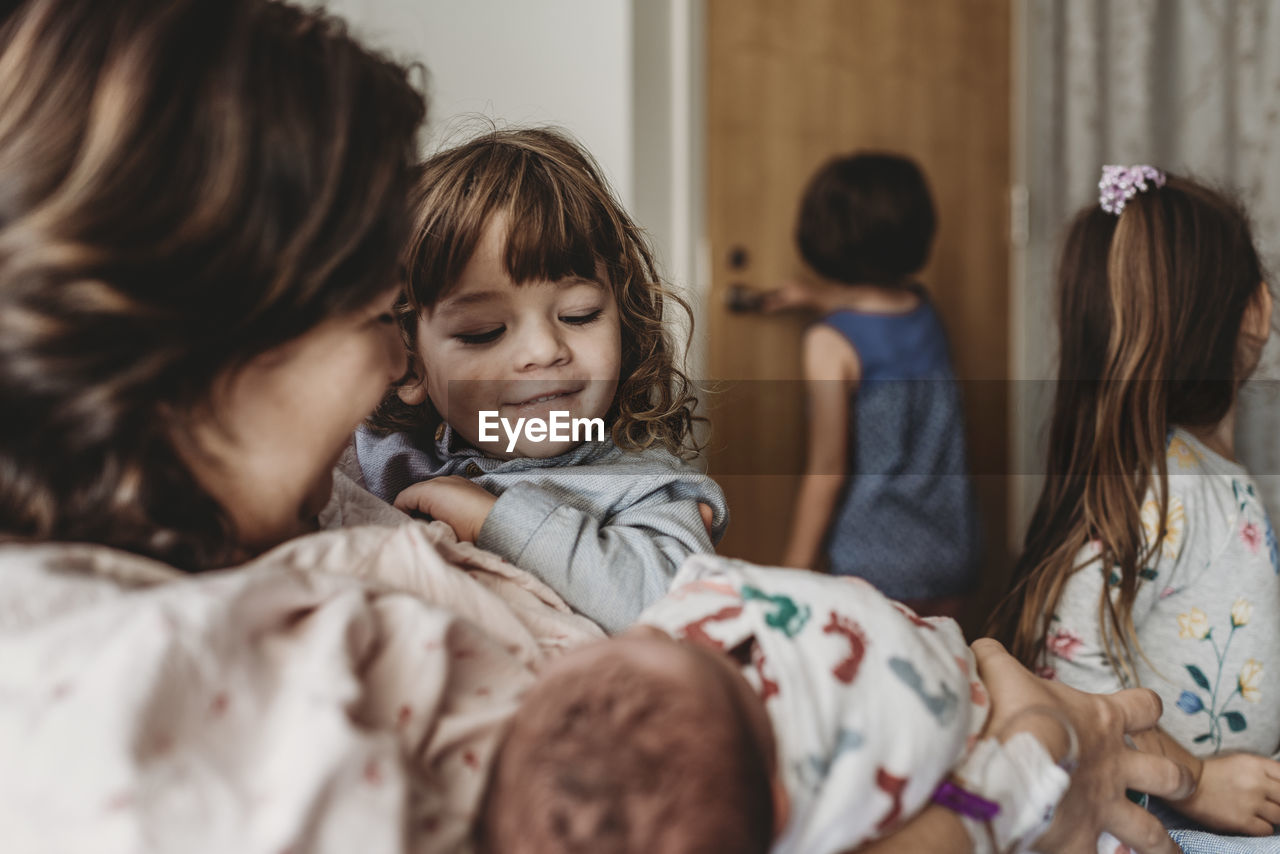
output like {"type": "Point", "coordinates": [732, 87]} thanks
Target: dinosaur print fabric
{"type": "Point", "coordinates": [871, 705]}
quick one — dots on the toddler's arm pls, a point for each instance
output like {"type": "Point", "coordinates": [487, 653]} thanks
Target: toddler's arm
{"type": "Point", "coordinates": [1235, 793]}
{"type": "Point", "coordinates": [607, 569]}
{"type": "Point", "coordinates": [829, 377]}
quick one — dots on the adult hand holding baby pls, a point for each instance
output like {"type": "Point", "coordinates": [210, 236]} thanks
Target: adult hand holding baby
{"type": "Point", "coordinates": [1107, 766]}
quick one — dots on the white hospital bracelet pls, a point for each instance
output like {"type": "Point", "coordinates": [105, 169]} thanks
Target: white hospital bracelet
{"type": "Point", "coordinates": [1023, 779]}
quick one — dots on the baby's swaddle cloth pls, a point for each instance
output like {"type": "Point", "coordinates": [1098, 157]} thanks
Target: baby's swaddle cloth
{"type": "Point", "coordinates": [871, 705]}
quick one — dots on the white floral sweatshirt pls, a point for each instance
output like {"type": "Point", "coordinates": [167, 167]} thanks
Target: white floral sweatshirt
{"type": "Point", "coordinates": [1207, 612]}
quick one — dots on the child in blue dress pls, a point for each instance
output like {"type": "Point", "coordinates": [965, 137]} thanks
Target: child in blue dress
{"type": "Point", "coordinates": [886, 494]}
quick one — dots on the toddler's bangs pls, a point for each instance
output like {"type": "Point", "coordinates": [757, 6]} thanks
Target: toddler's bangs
{"type": "Point", "coordinates": [559, 216]}
{"type": "Point", "coordinates": [550, 238]}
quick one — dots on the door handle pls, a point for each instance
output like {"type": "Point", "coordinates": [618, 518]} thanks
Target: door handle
{"type": "Point", "coordinates": [741, 299]}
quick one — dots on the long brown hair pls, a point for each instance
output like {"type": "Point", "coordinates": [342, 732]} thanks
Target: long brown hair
{"type": "Point", "coordinates": [564, 222]}
{"type": "Point", "coordinates": [1151, 305]}
{"type": "Point", "coordinates": [183, 185]}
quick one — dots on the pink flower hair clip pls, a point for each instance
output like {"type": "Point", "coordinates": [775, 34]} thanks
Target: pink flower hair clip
{"type": "Point", "coordinates": [1119, 184]}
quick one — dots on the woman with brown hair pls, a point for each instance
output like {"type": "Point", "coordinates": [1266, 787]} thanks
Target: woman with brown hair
{"type": "Point", "coordinates": [1149, 547]}
{"type": "Point", "coordinates": [201, 208]}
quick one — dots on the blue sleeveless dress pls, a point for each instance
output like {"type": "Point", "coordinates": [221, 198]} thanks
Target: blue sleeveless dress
{"type": "Point", "coordinates": [907, 520]}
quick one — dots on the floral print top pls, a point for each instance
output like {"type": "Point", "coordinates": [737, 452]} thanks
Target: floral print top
{"type": "Point", "coordinates": [1207, 612]}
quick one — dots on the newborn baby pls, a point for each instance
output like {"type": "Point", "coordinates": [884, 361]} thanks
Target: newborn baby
{"type": "Point", "coordinates": [758, 709]}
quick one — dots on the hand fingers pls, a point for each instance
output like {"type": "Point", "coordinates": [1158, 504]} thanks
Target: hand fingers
{"type": "Point", "coordinates": [1141, 831]}
{"type": "Point", "coordinates": [411, 498]}
{"type": "Point", "coordinates": [1004, 676]}
{"type": "Point", "coordinates": [1139, 708]}
{"type": "Point", "coordinates": [994, 662]}
{"type": "Point", "coordinates": [1258, 826]}
{"type": "Point", "coordinates": [1155, 775]}
{"type": "Point", "coordinates": [1269, 812]}
{"type": "Point", "coordinates": [704, 510]}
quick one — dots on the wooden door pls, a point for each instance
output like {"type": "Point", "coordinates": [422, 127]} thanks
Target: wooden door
{"type": "Point", "coordinates": [790, 83]}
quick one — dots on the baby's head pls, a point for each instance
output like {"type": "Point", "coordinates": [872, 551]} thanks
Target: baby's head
{"type": "Point", "coordinates": [636, 744]}
{"type": "Point", "coordinates": [530, 290]}
{"type": "Point", "coordinates": [866, 218]}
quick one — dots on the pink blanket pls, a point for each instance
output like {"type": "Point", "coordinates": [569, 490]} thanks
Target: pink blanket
{"type": "Point", "coordinates": [343, 692]}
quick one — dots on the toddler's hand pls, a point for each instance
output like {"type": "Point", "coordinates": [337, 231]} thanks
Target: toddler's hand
{"type": "Point", "coordinates": [793, 294]}
{"type": "Point", "coordinates": [708, 516]}
{"type": "Point", "coordinates": [452, 499]}
{"type": "Point", "coordinates": [1238, 793]}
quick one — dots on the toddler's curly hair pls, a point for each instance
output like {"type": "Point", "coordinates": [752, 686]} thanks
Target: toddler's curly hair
{"type": "Point", "coordinates": [564, 221]}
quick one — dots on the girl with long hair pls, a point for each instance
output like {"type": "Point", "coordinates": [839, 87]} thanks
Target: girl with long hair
{"type": "Point", "coordinates": [1150, 559]}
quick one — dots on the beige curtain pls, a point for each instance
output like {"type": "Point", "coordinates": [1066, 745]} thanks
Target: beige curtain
{"type": "Point", "coordinates": [1192, 86]}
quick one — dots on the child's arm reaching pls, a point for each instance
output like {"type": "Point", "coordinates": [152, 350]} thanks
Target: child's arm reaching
{"type": "Point", "coordinates": [1235, 792]}
{"type": "Point", "coordinates": [607, 569]}
{"type": "Point", "coordinates": [830, 374]}
{"type": "Point", "coordinates": [464, 505]}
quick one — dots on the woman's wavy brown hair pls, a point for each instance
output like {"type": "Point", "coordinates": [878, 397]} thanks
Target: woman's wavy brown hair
{"type": "Point", "coordinates": [183, 185]}
{"type": "Point", "coordinates": [564, 222]}
{"type": "Point", "coordinates": [1151, 305]}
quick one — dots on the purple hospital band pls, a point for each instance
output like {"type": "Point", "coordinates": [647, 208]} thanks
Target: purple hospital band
{"type": "Point", "coordinates": [964, 802]}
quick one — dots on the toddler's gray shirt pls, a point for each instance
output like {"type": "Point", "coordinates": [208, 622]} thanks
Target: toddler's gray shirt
{"type": "Point", "coordinates": [604, 528]}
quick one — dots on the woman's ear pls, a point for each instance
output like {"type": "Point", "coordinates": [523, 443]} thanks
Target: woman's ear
{"type": "Point", "coordinates": [1258, 317]}
{"type": "Point", "coordinates": [412, 389]}
{"type": "Point", "coordinates": [412, 392]}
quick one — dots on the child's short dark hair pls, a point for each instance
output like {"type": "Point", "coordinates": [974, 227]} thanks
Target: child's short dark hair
{"type": "Point", "coordinates": [866, 218]}
{"type": "Point", "coordinates": [625, 762]}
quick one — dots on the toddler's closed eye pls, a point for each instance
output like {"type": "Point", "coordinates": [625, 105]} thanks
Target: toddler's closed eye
{"type": "Point", "coordinates": [486, 337]}
{"type": "Point", "coordinates": [582, 319]}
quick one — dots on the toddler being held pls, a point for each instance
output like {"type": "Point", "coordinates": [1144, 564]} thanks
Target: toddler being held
{"type": "Point", "coordinates": [544, 416]}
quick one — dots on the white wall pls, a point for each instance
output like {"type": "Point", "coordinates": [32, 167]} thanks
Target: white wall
{"type": "Point", "coordinates": [563, 62]}
{"type": "Point", "coordinates": [623, 76]}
